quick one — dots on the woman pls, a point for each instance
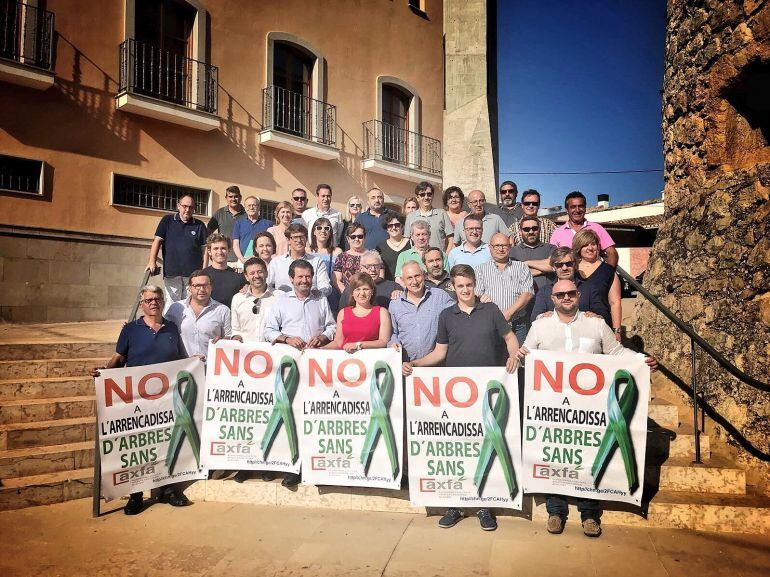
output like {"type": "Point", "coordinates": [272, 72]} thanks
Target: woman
{"type": "Point", "coordinates": [394, 245]}
{"type": "Point", "coordinates": [361, 324]}
{"type": "Point", "coordinates": [591, 269]}
{"type": "Point", "coordinates": [322, 246]}
{"type": "Point", "coordinates": [283, 215]}
{"type": "Point", "coordinates": [264, 246]}
{"type": "Point", "coordinates": [349, 262]}
{"type": "Point", "coordinates": [410, 205]}
{"type": "Point", "coordinates": [454, 199]}
{"type": "Point", "coordinates": [354, 209]}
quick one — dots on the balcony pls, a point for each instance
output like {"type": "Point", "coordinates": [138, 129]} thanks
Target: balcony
{"type": "Point", "coordinates": [400, 153]}
{"type": "Point", "coordinates": [298, 123]}
{"type": "Point", "coordinates": [166, 86]}
{"type": "Point", "coordinates": [26, 45]}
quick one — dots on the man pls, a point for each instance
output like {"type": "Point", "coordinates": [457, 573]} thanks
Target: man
{"type": "Point", "coordinates": [226, 282]}
{"type": "Point", "coordinates": [491, 223]}
{"type": "Point", "coordinates": [182, 239]}
{"type": "Point", "coordinates": [148, 340]}
{"type": "Point", "coordinates": [473, 251]}
{"type": "Point", "coordinates": [414, 315]}
{"type": "Point", "coordinates": [385, 290]}
{"type": "Point", "coordinates": [530, 204]}
{"type": "Point", "coordinates": [441, 228]}
{"type": "Point", "coordinates": [301, 319]}
{"type": "Point", "coordinates": [575, 203]}
{"type": "Point", "coordinates": [571, 330]}
{"type": "Point", "coordinates": [224, 219]}
{"type": "Point", "coordinates": [246, 229]}
{"type": "Point", "coordinates": [278, 277]}
{"type": "Point", "coordinates": [509, 210]}
{"type": "Point", "coordinates": [508, 283]}
{"type": "Point", "coordinates": [299, 204]}
{"type": "Point", "coordinates": [250, 309]}
{"type": "Point", "coordinates": [420, 236]}
{"type": "Point", "coordinates": [436, 272]}
{"type": "Point", "coordinates": [470, 334]}
{"type": "Point", "coordinates": [372, 219]}
{"type": "Point", "coordinates": [532, 248]}
{"type": "Point", "coordinates": [324, 208]}
{"type": "Point", "coordinates": [200, 318]}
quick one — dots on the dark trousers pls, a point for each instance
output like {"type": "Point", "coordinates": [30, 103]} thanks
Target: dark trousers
{"type": "Point", "coordinates": [588, 508]}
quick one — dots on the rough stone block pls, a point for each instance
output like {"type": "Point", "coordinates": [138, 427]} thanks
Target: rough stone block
{"type": "Point", "coordinates": [45, 249]}
{"type": "Point", "coordinates": [13, 246]}
{"type": "Point", "coordinates": [115, 274]}
{"type": "Point", "coordinates": [13, 294]}
{"type": "Point", "coordinates": [110, 254]}
{"type": "Point", "coordinates": [69, 295]}
{"type": "Point", "coordinates": [23, 270]}
{"type": "Point", "coordinates": [122, 296]}
{"type": "Point", "coordinates": [69, 273]}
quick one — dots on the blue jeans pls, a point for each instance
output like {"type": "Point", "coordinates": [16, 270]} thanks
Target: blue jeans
{"type": "Point", "coordinates": [588, 508]}
{"type": "Point", "coordinates": [520, 327]}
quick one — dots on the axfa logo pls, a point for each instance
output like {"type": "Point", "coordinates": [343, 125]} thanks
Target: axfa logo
{"type": "Point", "coordinates": [590, 382]}
{"type": "Point", "coordinates": [431, 485]}
{"type": "Point", "coordinates": [324, 463]}
{"type": "Point", "coordinates": [218, 449]}
{"type": "Point", "coordinates": [549, 472]}
{"type": "Point", "coordinates": [461, 392]}
{"type": "Point", "coordinates": [125, 476]}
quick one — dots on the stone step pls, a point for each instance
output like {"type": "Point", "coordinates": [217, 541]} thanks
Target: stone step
{"type": "Point", "coordinates": [30, 369]}
{"type": "Point", "coordinates": [716, 476]}
{"type": "Point", "coordinates": [21, 492]}
{"type": "Point", "coordinates": [663, 413]}
{"type": "Point", "coordinates": [32, 351]}
{"type": "Point", "coordinates": [45, 388]}
{"type": "Point", "coordinates": [50, 459]}
{"type": "Point", "coordinates": [31, 410]}
{"type": "Point", "coordinates": [676, 443]}
{"type": "Point", "coordinates": [43, 433]}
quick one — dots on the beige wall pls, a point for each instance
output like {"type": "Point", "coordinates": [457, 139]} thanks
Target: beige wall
{"type": "Point", "coordinates": [76, 130]}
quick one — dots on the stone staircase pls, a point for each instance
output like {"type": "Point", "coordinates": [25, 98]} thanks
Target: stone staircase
{"type": "Point", "coordinates": [46, 456]}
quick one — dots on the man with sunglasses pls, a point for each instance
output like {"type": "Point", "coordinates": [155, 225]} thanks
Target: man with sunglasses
{"type": "Point", "coordinates": [250, 309]}
{"type": "Point", "coordinates": [575, 203]}
{"type": "Point", "coordinates": [530, 204]}
{"type": "Point", "coordinates": [571, 330]}
{"type": "Point", "coordinates": [532, 248]}
{"type": "Point", "coordinates": [509, 210]}
{"type": "Point", "coordinates": [299, 204]}
{"type": "Point", "coordinates": [372, 219]}
{"type": "Point", "coordinates": [441, 227]}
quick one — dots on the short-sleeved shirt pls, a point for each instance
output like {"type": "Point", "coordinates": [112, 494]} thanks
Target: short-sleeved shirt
{"type": "Point", "coordinates": [375, 234]}
{"type": "Point", "coordinates": [524, 252]}
{"type": "Point", "coordinates": [475, 339]}
{"type": "Point", "coordinates": [140, 345]}
{"type": "Point", "coordinates": [245, 230]}
{"type": "Point", "coordinates": [440, 225]}
{"type": "Point", "coordinates": [564, 235]}
{"type": "Point", "coordinates": [509, 216]}
{"type": "Point", "coordinates": [471, 256]}
{"type": "Point", "coordinates": [225, 284]}
{"type": "Point", "coordinates": [413, 254]}
{"type": "Point", "coordinates": [504, 286]}
{"type": "Point", "coordinates": [224, 221]}
{"type": "Point", "coordinates": [491, 225]}
{"type": "Point", "coordinates": [183, 244]}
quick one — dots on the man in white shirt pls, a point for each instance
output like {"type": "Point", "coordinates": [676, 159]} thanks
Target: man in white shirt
{"type": "Point", "coordinates": [324, 208]}
{"type": "Point", "coordinates": [199, 317]}
{"type": "Point", "coordinates": [250, 309]}
{"type": "Point", "coordinates": [278, 277]}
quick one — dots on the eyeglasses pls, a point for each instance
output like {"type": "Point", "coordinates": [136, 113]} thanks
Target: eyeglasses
{"type": "Point", "coordinates": [500, 246]}
{"type": "Point", "coordinates": [530, 203]}
{"type": "Point", "coordinates": [355, 236]}
{"type": "Point", "coordinates": [187, 206]}
{"type": "Point", "coordinates": [507, 191]}
{"type": "Point", "coordinates": [152, 300]}
{"type": "Point", "coordinates": [564, 263]}
{"type": "Point", "coordinates": [424, 194]}
{"type": "Point", "coordinates": [577, 207]}
{"type": "Point", "coordinates": [370, 266]}
{"type": "Point", "coordinates": [479, 201]}
{"type": "Point", "coordinates": [298, 238]}
{"type": "Point", "coordinates": [453, 197]}
{"type": "Point", "coordinates": [566, 294]}
{"type": "Point", "coordinates": [354, 206]}
{"type": "Point", "coordinates": [530, 228]}
{"type": "Point", "coordinates": [257, 305]}
{"type": "Point", "coordinates": [394, 225]}
{"type": "Point", "coordinates": [299, 198]}
{"type": "Point", "coordinates": [198, 287]}
{"type": "Point", "coordinates": [322, 227]}
{"type": "Point", "coordinates": [473, 229]}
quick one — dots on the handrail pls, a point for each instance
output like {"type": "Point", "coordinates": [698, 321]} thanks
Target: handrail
{"type": "Point", "coordinates": [145, 279]}
{"type": "Point", "coordinates": [702, 343]}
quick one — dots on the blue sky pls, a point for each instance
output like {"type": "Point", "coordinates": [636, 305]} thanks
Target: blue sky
{"type": "Point", "coordinates": [579, 90]}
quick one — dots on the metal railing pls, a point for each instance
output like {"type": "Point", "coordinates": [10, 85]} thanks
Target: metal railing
{"type": "Point", "coordinates": [384, 141]}
{"type": "Point", "coordinates": [696, 341]}
{"type": "Point", "coordinates": [294, 113]}
{"type": "Point", "coordinates": [161, 74]}
{"type": "Point", "coordinates": [26, 34]}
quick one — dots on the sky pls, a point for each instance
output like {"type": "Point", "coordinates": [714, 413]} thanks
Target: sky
{"type": "Point", "coordinates": [579, 90]}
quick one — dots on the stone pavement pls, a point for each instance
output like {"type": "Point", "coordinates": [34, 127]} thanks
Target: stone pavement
{"type": "Point", "coordinates": [236, 540]}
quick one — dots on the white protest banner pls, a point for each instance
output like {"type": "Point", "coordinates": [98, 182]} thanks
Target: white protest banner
{"type": "Point", "coordinates": [248, 419]}
{"type": "Point", "coordinates": [585, 425]}
{"type": "Point", "coordinates": [464, 437]}
{"type": "Point", "coordinates": [352, 414]}
{"type": "Point", "coordinates": [149, 420]}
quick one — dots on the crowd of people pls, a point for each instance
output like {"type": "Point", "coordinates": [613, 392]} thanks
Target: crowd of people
{"type": "Point", "coordinates": [466, 284]}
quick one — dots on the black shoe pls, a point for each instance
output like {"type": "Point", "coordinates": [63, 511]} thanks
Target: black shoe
{"type": "Point", "coordinates": [451, 518]}
{"type": "Point", "coordinates": [175, 498]}
{"type": "Point", "coordinates": [268, 475]}
{"type": "Point", "coordinates": [486, 520]}
{"type": "Point", "coordinates": [134, 505]}
{"type": "Point", "coordinates": [291, 480]}
{"type": "Point", "coordinates": [242, 476]}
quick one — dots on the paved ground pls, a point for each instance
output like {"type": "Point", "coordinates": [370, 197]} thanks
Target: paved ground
{"type": "Point", "coordinates": [99, 331]}
{"type": "Point", "coordinates": [236, 540]}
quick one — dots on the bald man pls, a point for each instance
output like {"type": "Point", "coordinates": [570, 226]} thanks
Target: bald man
{"type": "Point", "coordinates": [491, 223]}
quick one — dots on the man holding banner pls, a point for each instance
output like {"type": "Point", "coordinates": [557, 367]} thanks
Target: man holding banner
{"type": "Point", "coordinates": [470, 334]}
{"type": "Point", "coordinates": [571, 330]}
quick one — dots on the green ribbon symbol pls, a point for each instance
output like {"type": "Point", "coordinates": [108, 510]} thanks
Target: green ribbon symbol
{"type": "Point", "coordinates": [494, 419]}
{"type": "Point", "coordinates": [618, 433]}
{"type": "Point", "coordinates": [285, 389]}
{"type": "Point", "coordinates": [184, 425]}
{"type": "Point", "coordinates": [381, 395]}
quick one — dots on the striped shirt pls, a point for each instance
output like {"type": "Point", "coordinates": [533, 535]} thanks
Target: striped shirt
{"type": "Point", "coordinates": [504, 286]}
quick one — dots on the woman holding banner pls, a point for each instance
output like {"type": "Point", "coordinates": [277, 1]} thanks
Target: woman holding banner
{"type": "Point", "coordinates": [362, 324]}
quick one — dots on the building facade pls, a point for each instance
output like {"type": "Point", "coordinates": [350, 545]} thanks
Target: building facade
{"type": "Point", "coordinates": [113, 109]}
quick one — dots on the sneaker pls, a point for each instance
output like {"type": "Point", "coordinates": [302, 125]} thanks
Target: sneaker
{"type": "Point", "coordinates": [591, 528]}
{"type": "Point", "coordinates": [450, 519]}
{"type": "Point", "coordinates": [555, 524]}
{"type": "Point", "coordinates": [291, 480]}
{"type": "Point", "coordinates": [134, 505]}
{"type": "Point", "coordinates": [486, 520]}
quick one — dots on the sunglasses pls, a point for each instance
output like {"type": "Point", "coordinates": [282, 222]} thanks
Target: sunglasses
{"type": "Point", "coordinates": [356, 236]}
{"type": "Point", "coordinates": [257, 305]}
{"type": "Point", "coordinates": [508, 191]}
{"type": "Point", "coordinates": [564, 263]}
{"type": "Point", "coordinates": [424, 194]}
{"type": "Point", "coordinates": [152, 300]}
{"type": "Point", "coordinates": [566, 294]}
{"type": "Point", "coordinates": [299, 198]}
{"type": "Point", "coordinates": [530, 203]}
{"type": "Point", "coordinates": [354, 206]}
{"type": "Point", "coordinates": [394, 225]}
{"type": "Point", "coordinates": [322, 227]}
{"type": "Point", "coordinates": [530, 228]}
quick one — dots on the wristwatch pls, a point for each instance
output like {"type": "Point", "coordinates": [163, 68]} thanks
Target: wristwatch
{"type": "Point", "coordinates": [617, 330]}
{"type": "Point", "coordinates": [358, 346]}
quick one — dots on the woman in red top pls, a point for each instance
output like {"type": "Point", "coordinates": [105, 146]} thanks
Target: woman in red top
{"type": "Point", "coordinates": [362, 324]}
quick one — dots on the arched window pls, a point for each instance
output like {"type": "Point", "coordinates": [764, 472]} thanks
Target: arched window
{"type": "Point", "coordinates": [293, 82]}
{"type": "Point", "coordinates": [395, 123]}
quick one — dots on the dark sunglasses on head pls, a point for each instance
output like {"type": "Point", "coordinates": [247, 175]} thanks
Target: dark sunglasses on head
{"type": "Point", "coordinates": [562, 295]}
{"type": "Point", "coordinates": [567, 263]}
{"type": "Point", "coordinates": [530, 228]}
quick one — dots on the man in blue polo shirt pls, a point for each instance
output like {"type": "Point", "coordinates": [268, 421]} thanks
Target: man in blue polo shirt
{"type": "Point", "coordinates": [245, 229]}
{"type": "Point", "coordinates": [371, 219]}
{"type": "Point", "coordinates": [182, 239]}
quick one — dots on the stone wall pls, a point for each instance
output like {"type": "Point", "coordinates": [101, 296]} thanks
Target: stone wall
{"type": "Point", "coordinates": [711, 261]}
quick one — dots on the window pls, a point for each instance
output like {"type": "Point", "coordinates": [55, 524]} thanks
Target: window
{"type": "Point", "coordinates": [267, 209]}
{"type": "Point", "coordinates": [293, 81]}
{"type": "Point", "coordinates": [21, 175]}
{"type": "Point", "coordinates": [141, 193]}
{"type": "Point", "coordinates": [395, 119]}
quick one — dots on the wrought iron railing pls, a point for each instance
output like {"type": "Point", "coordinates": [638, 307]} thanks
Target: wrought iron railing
{"type": "Point", "coordinates": [384, 141]}
{"type": "Point", "coordinates": [161, 74]}
{"type": "Point", "coordinates": [26, 34]}
{"type": "Point", "coordinates": [300, 115]}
